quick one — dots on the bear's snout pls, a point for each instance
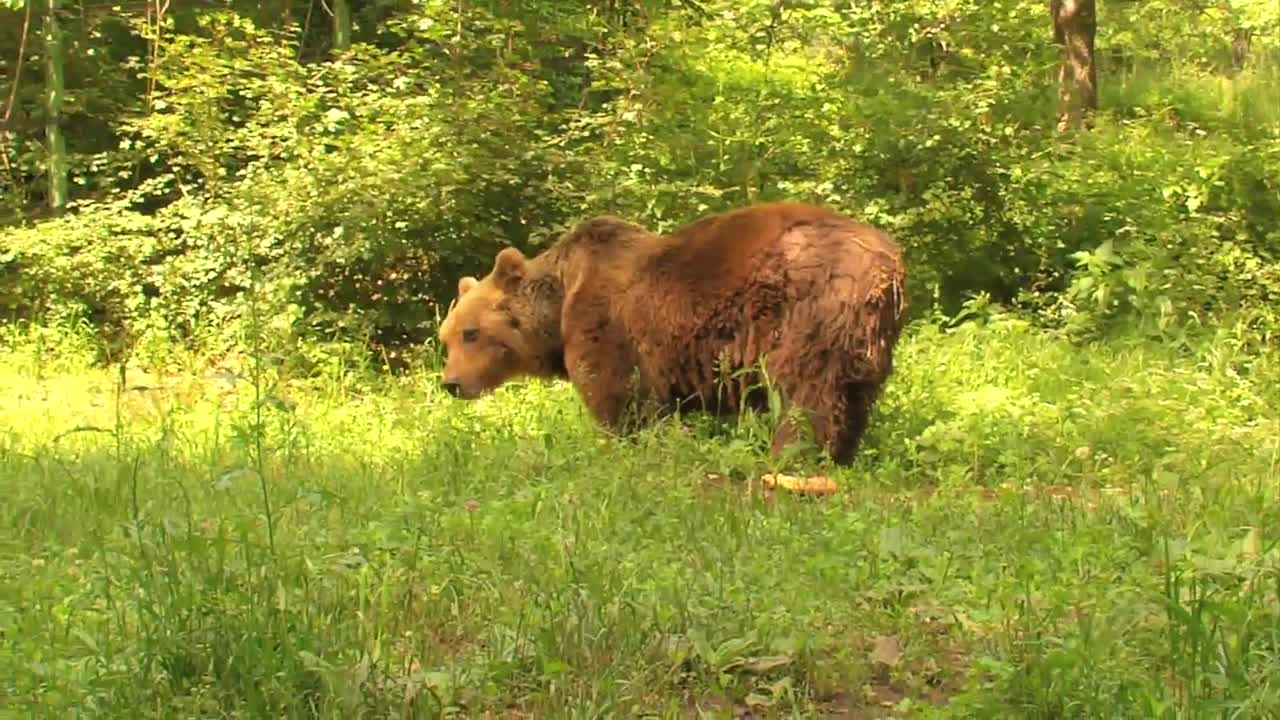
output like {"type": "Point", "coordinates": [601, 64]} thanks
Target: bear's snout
{"type": "Point", "coordinates": [452, 387]}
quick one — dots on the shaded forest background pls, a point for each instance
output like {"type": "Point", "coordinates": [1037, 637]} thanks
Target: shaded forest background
{"type": "Point", "coordinates": [327, 168]}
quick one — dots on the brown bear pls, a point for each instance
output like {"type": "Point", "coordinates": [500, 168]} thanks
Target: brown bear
{"type": "Point", "coordinates": [639, 321]}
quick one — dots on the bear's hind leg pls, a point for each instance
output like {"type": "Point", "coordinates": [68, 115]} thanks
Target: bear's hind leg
{"type": "Point", "coordinates": [808, 415]}
{"type": "Point", "coordinates": [839, 420]}
{"type": "Point", "coordinates": [784, 435]}
{"type": "Point", "coordinates": [849, 431]}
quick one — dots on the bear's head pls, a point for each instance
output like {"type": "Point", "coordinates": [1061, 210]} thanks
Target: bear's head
{"type": "Point", "coordinates": [501, 327]}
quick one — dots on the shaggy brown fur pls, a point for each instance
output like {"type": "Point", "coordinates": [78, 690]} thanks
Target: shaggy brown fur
{"type": "Point", "coordinates": [637, 320]}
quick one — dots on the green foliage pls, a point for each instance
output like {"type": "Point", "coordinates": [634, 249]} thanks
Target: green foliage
{"type": "Point", "coordinates": [92, 265]}
{"type": "Point", "coordinates": [345, 192]}
{"type": "Point", "coordinates": [1180, 222]}
{"type": "Point", "coordinates": [1035, 528]}
{"type": "Point", "coordinates": [1041, 523]}
{"type": "Point", "coordinates": [1213, 35]}
{"type": "Point", "coordinates": [345, 204]}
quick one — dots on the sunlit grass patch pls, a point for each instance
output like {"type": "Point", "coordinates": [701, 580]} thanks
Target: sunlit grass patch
{"type": "Point", "coordinates": [1034, 527]}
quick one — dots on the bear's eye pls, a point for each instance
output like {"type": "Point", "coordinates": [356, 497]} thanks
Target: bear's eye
{"type": "Point", "coordinates": [470, 335]}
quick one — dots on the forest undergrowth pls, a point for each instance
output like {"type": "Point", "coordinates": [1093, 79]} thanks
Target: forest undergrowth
{"type": "Point", "coordinates": [1034, 528]}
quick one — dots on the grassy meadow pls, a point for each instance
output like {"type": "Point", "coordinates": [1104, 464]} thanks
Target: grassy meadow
{"type": "Point", "coordinates": [1068, 512]}
{"type": "Point", "coordinates": [1035, 528]}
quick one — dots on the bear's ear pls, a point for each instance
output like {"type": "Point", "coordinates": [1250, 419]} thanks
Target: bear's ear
{"type": "Point", "coordinates": [508, 268]}
{"type": "Point", "coordinates": [465, 284]}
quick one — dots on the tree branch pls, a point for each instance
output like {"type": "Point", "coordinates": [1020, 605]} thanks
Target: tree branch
{"type": "Point", "coordinates": [17, 72]}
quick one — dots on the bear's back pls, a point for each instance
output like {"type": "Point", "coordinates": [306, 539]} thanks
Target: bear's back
{"type": "Point", "coordinates": [718, 252]}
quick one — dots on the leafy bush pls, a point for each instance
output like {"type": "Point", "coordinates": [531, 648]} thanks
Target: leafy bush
{"type": "Point", "coordinates": [347, 195]}
{"type": "Point", "coordinates": [94, 264]}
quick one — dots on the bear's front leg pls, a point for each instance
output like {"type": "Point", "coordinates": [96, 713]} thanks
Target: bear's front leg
{"type": "Point", "coordinates": [602, 374]}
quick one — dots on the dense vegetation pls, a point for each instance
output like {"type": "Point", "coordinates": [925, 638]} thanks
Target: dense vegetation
{"type": "Point", "coordinates": [212, 148]}
{"type": "Point", "coordinates": [222, 221]}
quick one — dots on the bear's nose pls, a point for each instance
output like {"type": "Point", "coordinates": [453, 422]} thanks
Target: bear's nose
{"type": "Point", "coordinates": [451, 387]}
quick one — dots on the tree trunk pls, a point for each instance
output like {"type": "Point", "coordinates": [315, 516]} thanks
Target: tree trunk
{"type": "Point", "coordinates": [1075, 26]}
{"type": "Point", "coordinates": [272, 14]}
{"type": "Point", "coordinates": [54, 85]}
{"type": "Point", "coordinates": [1240, 48]}
{"type": "Point", "coordinates": [341, 25]}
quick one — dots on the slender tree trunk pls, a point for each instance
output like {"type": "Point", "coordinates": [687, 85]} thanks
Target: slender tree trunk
{"type": "Point", "coordinates": [341, 25]}
{"type": "Point", "coordinates": [1240, 48]}
{"type": "Point", "coordinates": [53, 83]}
{"type": "Point", "coordinates": [1075, 27]}
{"type": "Point", "coordinates": [275, 13]}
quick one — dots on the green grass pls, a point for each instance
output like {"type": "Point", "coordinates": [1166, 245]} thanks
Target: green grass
{"type": "Point", "coordinates": [1245, 103]}
{"type": "Point", "coordinates": [1034, 529]}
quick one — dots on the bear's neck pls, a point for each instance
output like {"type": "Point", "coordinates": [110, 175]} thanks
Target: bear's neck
{"type": "Point", "coordinates": [543, 295]}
